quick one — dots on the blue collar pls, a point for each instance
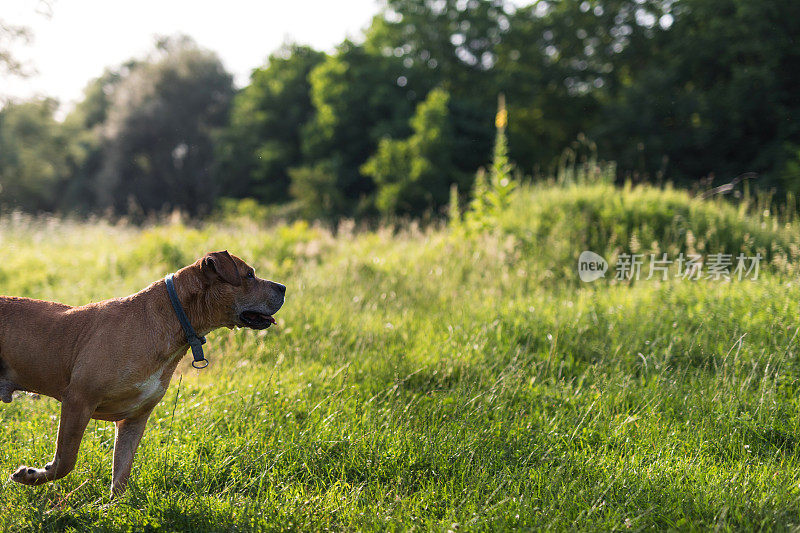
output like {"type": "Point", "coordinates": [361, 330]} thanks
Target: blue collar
{"type": "Point", "coordinates": [194, 340]}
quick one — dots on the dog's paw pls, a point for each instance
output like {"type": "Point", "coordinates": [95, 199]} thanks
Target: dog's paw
{"type": "Point", "coordinates": [30, 476]}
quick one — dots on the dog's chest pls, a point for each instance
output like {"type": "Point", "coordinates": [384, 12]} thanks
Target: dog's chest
{"type": "Point", "coordinates": [134, 397]}
{"type": "Point", "coordinates": [152, 386]}
{"type": "Point", "coordinates": [141, 394]}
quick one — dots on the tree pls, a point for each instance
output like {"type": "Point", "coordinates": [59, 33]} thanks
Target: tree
{"type": "Point", "coordinates": [84, 126]}
{"type": "Point", "coordinates": [157, 138]}
{"type": "Point", "coordinates": [451, 44]}
{"type": "Point", "coordinates": [34, 156]}
{"type": "Point", "coordinates": [263, 138]}
{"type": "Point", "coordinates": [560, 63]}
{"type": "Point", "coordinates": [359, 98]}
{"type": "Point", "coordinates": [454, 40]}
{"type": "Point", "coordinates": [717, 95]}
{"type": "Point", "coordinates": [413, 175]}
{"type": "Point", "coordinates": [9, 34]}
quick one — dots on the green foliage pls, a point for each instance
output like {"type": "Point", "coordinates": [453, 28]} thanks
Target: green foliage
{"type": "Point", "coordinates": [711, 95]}
{"type": "Point", "coordinates": [643, 219]}
{"type": "Point", "coordinates": [492, 197]}
{"type": "Point", "coordinates": [84, 125]}
{"type": "Point", "coordinates": [790, 176]}
{"type": "Point", "coordinates": [157, 139]}
{"type": "Point", "coordinates": [477, 216]}
{"type": "Point", "coordinates": [10, 34]}
{"type": "Point", "coordinates": [316, 190]}
{"type": "Point", "coordinates": [454, 208]}
{"type": "Point", "coordinates": [671, 90]}
{"type": "Point", "coordinates": [92, 112]}
{"type": "Point", "coordinates": [414, 175]}
{"type": "Point", "coordinates": [453, 45]}
{"type": "Point", "coordinates": [422, 380]}
{"type": "Point", "coordinates": [502, 182]}
{"type": "Point", "coordinates": [238, 210]}
{"type": "Point", "coordinates": [34, 156]}
{"type": "Point", "coordinates": [264, 136]}
{"type": "Point", "coordinates": [455, 41]}
{"type": "Point", "coordinates": [359, 99]}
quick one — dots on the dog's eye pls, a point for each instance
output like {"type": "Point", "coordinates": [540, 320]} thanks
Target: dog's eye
{"type": "Point", "coordinates": [251, 275]}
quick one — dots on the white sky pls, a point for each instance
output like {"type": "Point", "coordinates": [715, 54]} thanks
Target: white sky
{"type": "Point", "coordinates": [82, 37]}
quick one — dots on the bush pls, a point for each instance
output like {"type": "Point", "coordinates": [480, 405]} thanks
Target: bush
{"type": "Point", "coordinates": [414, 174]}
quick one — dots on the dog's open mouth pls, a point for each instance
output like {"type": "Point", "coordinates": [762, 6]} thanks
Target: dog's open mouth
{"type": "Point", "coordinates": [256, 320]}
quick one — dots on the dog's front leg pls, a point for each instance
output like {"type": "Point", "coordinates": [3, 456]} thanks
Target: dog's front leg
{"type": "Point", "coordinates": [75, 415]}
{"type": "Point", "coordinates": [129, 433]}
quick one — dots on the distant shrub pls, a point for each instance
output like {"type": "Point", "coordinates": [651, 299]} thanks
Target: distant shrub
{"type": "Point", "coordinates": [315, 188]}
{"type": "Point", "coordinates": [245, 208]}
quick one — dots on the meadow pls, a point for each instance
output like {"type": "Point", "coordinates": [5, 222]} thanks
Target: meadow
{"type": "Point", "coordinates": [435, 378]}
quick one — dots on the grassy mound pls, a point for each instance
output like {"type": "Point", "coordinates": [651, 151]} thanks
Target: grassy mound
{"type": "Point", "coordinates": [605, 219]}
{"type": "Point", "coordinates": [421, 379]}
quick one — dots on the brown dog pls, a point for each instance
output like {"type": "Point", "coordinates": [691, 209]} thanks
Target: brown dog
{"type": "Point", "coordinates": [113, 360]}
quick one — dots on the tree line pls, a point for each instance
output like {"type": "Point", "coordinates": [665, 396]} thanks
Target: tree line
{"type": "Point", "coordinates": [673, 90]}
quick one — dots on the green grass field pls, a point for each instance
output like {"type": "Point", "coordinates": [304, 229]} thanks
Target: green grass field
{"type": "Point", "coordinates": [429, 379]}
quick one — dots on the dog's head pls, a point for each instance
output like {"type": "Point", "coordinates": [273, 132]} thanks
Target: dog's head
{"type": "Point", "coordinates": [242, 298]}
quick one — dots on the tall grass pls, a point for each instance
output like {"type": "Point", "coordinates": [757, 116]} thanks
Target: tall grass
{"type": "Point", "coordinates": [424, 379]}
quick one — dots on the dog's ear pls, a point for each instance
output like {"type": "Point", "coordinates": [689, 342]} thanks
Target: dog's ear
{"type": "Point", "coordinates": [221, 265]}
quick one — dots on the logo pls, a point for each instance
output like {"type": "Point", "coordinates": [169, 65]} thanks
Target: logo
{"type": "Point", "coordinates": [591, 266]}
{"type": "Point", "coordinates": [689, 266]}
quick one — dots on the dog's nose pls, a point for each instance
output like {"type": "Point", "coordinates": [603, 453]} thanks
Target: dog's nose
{"type": "Point", "coordinates": [278, 287]}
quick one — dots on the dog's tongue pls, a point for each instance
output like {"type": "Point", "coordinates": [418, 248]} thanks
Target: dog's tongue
{"type": "Point", "coordinates": [268, 318]}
